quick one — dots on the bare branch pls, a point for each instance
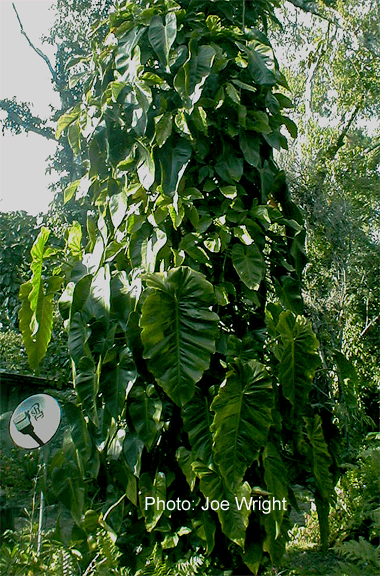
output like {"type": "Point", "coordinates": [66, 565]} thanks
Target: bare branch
{"type": "Point", "coordinates": [368, 327]}
{"type": "Point", "coordinates": [312, 8]}
{"type": "Point", "coordinates": [37, 50]}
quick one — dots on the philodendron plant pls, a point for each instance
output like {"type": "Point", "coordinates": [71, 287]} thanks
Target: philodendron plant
{"type": "Point", "coordinates": [192, 362]}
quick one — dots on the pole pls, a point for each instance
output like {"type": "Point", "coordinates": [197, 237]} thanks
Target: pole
{"type": "Point", "coordinates": [42, 499]}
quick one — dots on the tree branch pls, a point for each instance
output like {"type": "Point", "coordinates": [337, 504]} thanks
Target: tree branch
{"type": "Point", "coordinates": [37, 50]}
{"type": "Point", "coordinates": [368, 327]}
{"type": "Point", "coordinates": [18, 120]}
{"type": "Point", "coordinates": [334, 148]}
{"type": "Point", "coordinates": [365, 38]}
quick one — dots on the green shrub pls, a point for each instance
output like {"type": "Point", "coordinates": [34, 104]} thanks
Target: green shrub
{"type": "Point", "coordinates": [356, 514]}
{"type": "Point", "coordinates": [17, 470]}
{"type": "Point", "coordinates": [357, 511]}
{"type": "Point", "coordinates": [19, 556]}
{"type": "Point", "coordinates": [362, 558]}
{"type": "Point", "coordinates": [12, 352]}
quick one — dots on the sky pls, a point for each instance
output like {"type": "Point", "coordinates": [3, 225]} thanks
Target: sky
{"type": "Point", "coordinates": [24, 74]}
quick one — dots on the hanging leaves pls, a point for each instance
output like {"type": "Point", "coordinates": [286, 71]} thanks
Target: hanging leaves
{"type": "Point", "coordinates": [242, 419]}
{"type": "Point", "coordinates": [298, 358]}
{"type": "Point", "coordinates": [36, 313]}
{"type": "Point", "coordinates": [162, 37]}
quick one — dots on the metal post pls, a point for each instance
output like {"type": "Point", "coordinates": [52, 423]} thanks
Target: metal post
{"type": "Point", "coordinates": [42, 498]}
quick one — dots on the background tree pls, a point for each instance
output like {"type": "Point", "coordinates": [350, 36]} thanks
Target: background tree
{"type": "Point", "coordinates": [334, 170]}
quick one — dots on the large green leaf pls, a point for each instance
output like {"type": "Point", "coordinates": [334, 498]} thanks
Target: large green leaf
{"type": "Point", "coordinates": [234, 522]}
{"type": "Point", "coordinates": [162, 36]}
{"type": "Point", "coordinates": [122, 299]}
{"type": "Point", "coordinates": [117, 381]}
{"type": "Point", "coordinates": [249, 263]}
{"type": "Point", "coordinates": [184, 460]}
{"type": "Point", "coordinates": [321, 457]}
{"type": "Point", "coordinates": [133, 448]}
{"type": "Point", "coordinates": [86, 382]}
{"type": "Point", "coordinates": [78, 338]}
{"type": "Point", "coordinates": [275, 476]}
{"type": "Point", "coordinates": [152, 497]}
{"type": "Point", "coordinates": [260, 63]}
{"type": "Point", "coordinates": [173, 162]}
{"type": "Point", "coordinates": [66, 479]}
{"type": "Point", "coordinates": [242, 419]}
{"type": "Point", "coordinates": [252, 556]}
{"type": "Point", "coordinates": [66, 119]}
{"type": "Point", "coordinates": [298, 358]}
{"type": "Point", "coordinates": [250, 146]}
{"type": "Point", "coordinates": [74, 240]}
{"type": "Point", "coordinates": [78, 430]}
{"type": "Point", "coordinates": [197, 420]}
{"type": "Point", "coordinates": [274, 543]}
{"type": "Point", "coordinates": [192, 75]}
{"type": "Point", "coordinates": [229, 166]}
{"type": "Point", "coordinates": [36, 313]}
{"type": "Point", "coordinates": [164, 124]}
{"type": "Point", "coordinates": [206, 529]}
{"type": "Point", "coordinates": [178, 330]}
{"type": "Point", "coordinates": [145, 167]}
{"type": "Point", "coordinates": [145, 411]}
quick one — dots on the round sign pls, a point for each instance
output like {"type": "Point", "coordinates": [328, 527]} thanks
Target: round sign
{"type": "Point", "coordinates": [35, 421]}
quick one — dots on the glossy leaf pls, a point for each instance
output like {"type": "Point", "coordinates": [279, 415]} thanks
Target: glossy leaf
{"type": "Point", "coordinates": [184, 460]}
{"type": "Point", "coordinates": [78, 430]}
{"type": "Point", "coordinates": [173, 161]}
{"type": "Point", "coordinates": [276, 481]}
{"type": "Point", "coordinates": [321, 458]}
{"type": "Point", "coordinates": [133, 448]}
{"type": "Point", "coordinates": [145, 412]}
{"type": "Point", "coordinates": [233, 521]}
{"type": "Point", "coordinates": [66, 120]}
{"type": "Point", "coordinates": [164, 124]}
{"type": "Point", "coordinates": [117, 381]}
{"type": "Point", "coordinates": [67, 480]}
{"type": "Point", "coordinates": [192, 75]}
{"type": "Point", "coordinates": [86, 383]}
{"type": "Point", "coordinates": [242, 419]}
{"type": "Point", "coordinates": [178, 330]}
{"type": "Point", "coordinates": [197, 420]}
{"type": "Point", "coordinates": [298, 358]}
{"type": "Point", "coordinates": [36, 312]}
{"type": "Point", "coordinates": [145, 167]}
{"type": "Point", "coordinates": [206, 530]}
{"type": "Point", "coordinates": [260, 62]}
{"type": "Point", "coordinates": [155, 490]}
{"type": "Point", "coordinates": [250, 146]}
{"type": "Point", "coordinates": [162, 36]}
{"type": "Point", "coordinates": [249, 263]}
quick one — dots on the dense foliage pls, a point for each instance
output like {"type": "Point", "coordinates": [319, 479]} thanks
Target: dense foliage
{"type": "Point", "coordinates": [195, 372]}
{"type": "Point", "coordinates": [333, 167]}
{"type": "Point", "coordinates": [192, 363]}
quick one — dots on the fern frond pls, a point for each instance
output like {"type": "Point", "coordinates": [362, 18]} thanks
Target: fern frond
{"type": "Point", "coordinates": [350, 569]}
{"type": "Point", "coordinates": [361, 552]}
{"type": "Point", "coordinates": [107, 548]}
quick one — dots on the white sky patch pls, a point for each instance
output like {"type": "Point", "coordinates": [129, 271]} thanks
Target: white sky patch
{"type": "Point", "coordinates": [24, 74]}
